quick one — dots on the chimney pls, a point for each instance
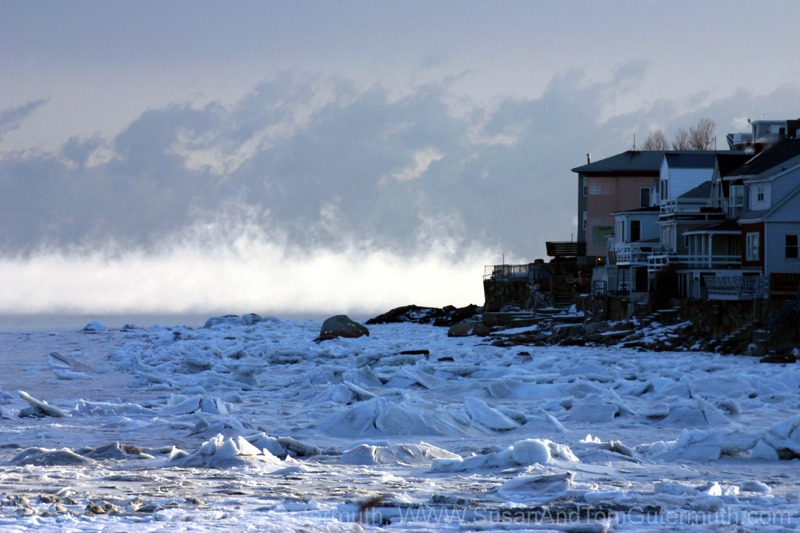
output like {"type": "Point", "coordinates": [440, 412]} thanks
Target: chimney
{"type": "Point", "coordinates": [588, 159]}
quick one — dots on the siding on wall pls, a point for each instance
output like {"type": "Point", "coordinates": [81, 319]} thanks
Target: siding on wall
{"type": "Point", "coordinates": [775, 260]}
{"type": "Point", "coordinates": [605, 196]}
{"type": "Point", "coordinates": [682, 180]}
{"type": "Point", "coordinates": [783, 221]}
{"type": "Point", "coordinates": [785, 183]}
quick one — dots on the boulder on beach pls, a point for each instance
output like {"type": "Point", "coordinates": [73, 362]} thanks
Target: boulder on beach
{"type": "Point", "coordinates": [341, 326]}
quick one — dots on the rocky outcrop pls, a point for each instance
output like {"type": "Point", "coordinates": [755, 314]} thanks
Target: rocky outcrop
{"type": "Point", "coordinates": [444, 317]}
{"type": "Point", "coordinates": [341, 326]}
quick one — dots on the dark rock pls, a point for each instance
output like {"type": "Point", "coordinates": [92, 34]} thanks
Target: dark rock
{"type": "Point", "coordinates": [252, 318]}
{"type": "Point", "coordinates": [466, 328]}
{"type": "Point", "coordinates": [225, 320]}
{"type": "Point", "coordinates": [778, 359]}
{"type": "Point", "coordinates": [341, 326]}
{"type": "Point", "coordinates": [445, 317]}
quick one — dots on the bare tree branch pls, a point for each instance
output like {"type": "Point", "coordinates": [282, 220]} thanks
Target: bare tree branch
{"type": "Point", "coordinates": [656, 140]}
{"type": "Point", "coordinates": [701, 135]}
{"type": "Point", "coordinates": [681, 141]}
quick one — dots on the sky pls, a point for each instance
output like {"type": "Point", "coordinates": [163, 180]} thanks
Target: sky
{"type": "Point", "coordinates": [351, 156]}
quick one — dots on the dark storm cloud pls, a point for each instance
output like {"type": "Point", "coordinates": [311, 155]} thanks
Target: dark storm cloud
{"type": "Point", "coordinates": [322, 162]}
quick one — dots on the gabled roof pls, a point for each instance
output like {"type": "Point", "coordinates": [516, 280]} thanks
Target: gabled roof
{"type": "Point", "coordinates": [631, 163]}
{"type": "Point", "coordinates": [727, 163]}
{"type": "Point", "coordinates": [755, 216]}
{"type": "Point", "coordinates": [701, 191]}
{"type": "Point", "coordinates": [774, 172]}
{"type": "Point", "coordinates": [648, 162]}
{"type": "Point", "coordinates": [771, 158]}
{"type": "Point", "coordinates": [692, 158]}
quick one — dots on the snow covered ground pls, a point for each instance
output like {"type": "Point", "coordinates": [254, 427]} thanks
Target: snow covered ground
{"type": "Point", "coordinates": [249, 424]}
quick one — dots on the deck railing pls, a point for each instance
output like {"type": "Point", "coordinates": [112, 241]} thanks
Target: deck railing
{"type": "Point", "coordinates": [635, 253]}
{"type": "Point", "coordinates": [505, 271]}
{"type": "Point", "coordinates": [658, 261]}
{"type": "Point", "coordinates": [737, 287]}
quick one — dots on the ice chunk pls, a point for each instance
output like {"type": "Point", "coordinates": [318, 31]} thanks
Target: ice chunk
{"type": "Point", "coordinates": [45, 457]}
{"type": "Point", "coordinates": [550, 485]}
{"type": "Point", "coordinates": [94, 327]}
{"type": "Point", "coordinates": [221, 452]}
{"type": "Point", "coordinates": [522, 453]}
{"type": "Point", "coordinates": [487, 416]}
{"type": "Point", "coordinates": [399, 454]}
{"type": "Point", "coordinates": [381, 417]}
{"type": "Point", "coordinates": [38, 408]}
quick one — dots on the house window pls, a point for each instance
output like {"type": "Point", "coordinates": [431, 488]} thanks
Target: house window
{"type": "Point", "coordinates": [760, 193]}
{"type": "Point", "coordinates": [737, 195]}
{"type": "Point", "coordinates": [644, 197]}
{"type": "Point", "coordinates": [636, 230]}
{"type": "Point", "coordinates": [791, 247]}
{"type": "Point", "coordinates": [585, 186]}
{"type": "Point", "coordinates": [583, 224]}
{"type": "Point", "coordinates": [664, 190]}
{"type": "Point", "coordinates": [752, 242]}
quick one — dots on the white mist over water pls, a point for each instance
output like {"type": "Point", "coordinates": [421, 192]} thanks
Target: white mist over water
{"type": "Point", "coordinates": [245, 274]}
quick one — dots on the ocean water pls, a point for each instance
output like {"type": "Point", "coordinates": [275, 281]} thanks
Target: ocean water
{"type": "Point", "coordinates": [74, 322]}
{"type": "Point", "coordinates": [59, 322]}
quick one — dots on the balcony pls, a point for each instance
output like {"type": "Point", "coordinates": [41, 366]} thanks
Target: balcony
{"type": "Point", "coordinates": [706, 262]}
{"type": "Point", "coordinates": [533, 272]}
{"type": "Point", "coordinates": [633, 253]}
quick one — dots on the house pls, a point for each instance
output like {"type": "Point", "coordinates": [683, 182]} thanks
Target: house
{"type": "Point", "coordinates": [618, 183]}
{"type": "Point", "coordinates": [695, 236]}
{"type": "Point", "coordinates": [726, 223]}
{"type": "Point", "coordinates": [770, 220]}
{"type": "Point", "coordinates": [636, 238]}
{"type": "Point", "coordinates": [660, 195]}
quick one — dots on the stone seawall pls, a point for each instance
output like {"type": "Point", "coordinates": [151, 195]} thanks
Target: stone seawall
{"type": "Point", "coordinates": [506, 293]}
{"type": "Point", "coordinates": [734, 327]}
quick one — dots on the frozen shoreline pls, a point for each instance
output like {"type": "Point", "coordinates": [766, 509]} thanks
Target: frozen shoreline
{"type": "Point", "coordinates": [461, 434]}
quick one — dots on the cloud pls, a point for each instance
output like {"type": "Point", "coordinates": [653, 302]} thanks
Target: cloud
{"type": "Point", "coordinates": [333, 176]}
{"type": "Point", "coordinates": [11, 118]}
{"type": "Point", "coordinates": [421, 160]}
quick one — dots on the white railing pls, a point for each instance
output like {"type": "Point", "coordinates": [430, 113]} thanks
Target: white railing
{"type": "Point", "coordinates": [635, 253]}
{"type": "Point", "coordinates": [659, 261]}
{"type": "Point", "coordinates": [737, 287]}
